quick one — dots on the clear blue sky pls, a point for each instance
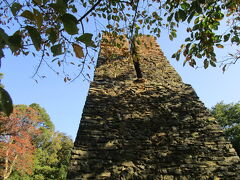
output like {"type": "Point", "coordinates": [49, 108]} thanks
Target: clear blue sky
{"type": "Point", "coordinates": [64, 101]}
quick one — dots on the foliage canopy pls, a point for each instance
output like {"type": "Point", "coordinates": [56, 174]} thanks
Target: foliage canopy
{"type": "Point", "coordinates": [16, 133]}
{"type": "Point", "coordinates": [29, 146]}
{"type": "Point", "coordinates": [228, 116]}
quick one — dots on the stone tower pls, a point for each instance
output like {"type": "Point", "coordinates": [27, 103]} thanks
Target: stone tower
{"type": "Point", "coordinates": [152, 130]}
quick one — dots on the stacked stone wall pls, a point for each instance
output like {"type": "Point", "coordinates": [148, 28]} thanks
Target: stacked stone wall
{"type": "Point", "coordinates": [156, 130]}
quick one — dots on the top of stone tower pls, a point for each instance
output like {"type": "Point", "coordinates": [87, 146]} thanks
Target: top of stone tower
{"type": "Point", "coordinates": [118, 45]}
{"type": "Point", "coordinates": [115, 63]}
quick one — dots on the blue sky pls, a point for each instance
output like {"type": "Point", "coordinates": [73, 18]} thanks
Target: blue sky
{"type": "Point", "coordinates": [64, 101]}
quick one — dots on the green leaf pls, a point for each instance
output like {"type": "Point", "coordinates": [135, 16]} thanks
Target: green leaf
{"type": "Point", "coordinates": [169, 18]}
{"type": "Point", "coordinates": [174, 34]}
{"type": "Point", "coordinates": [174, 55]}
{"type": "Point", "coordinates": [188, 45]}
{"type": "Point", "coordinates": [206, 63]}
{"type": "Point", "coordinates": [176, 17]}
{"type": "Point", "coordinates": [28, 15]}
{"type": "Point", "coordinates": [196, 20]}
{"type": "Point", "coordinates": [15, 41]}
{"type": "Point", "coordinates": [60, 6]}
{"type": "Point", "coordinates": [86, 39]}
{"type": "Point", "coordinates": [52, 35]}
{"type": "Point", "coordinates": [182, 15]}
{"type": "Point", "coordinates": [35, 36]}
{"type": "Point", "coordinates": [196, 7]}
{"type": "Point", "coordinates": [185, 6]}
{"type": "Point", "coordinates": [6, 105]}
{"type": "Point", "coordinates": [38, 2]}
{"type": "Point", "coordinates": [78, 50]}
{"type": "Point", "coordinates": [3, 36]}
{"type": "Point", "coordinates": [235, 39]}
{"type": "Point", "coordinates": [15, 8]}
{"type": "Point", "coordinates": [1, 54]}
{"type": "Point", "coordinates": [192, 63]}
{"type": "Point", "coordinates": [189, 19]}
{"type": "Point", "coordinates": [38, 18]}
{"type": "Point", "coordinates": [57, 50]}
{"type": "Point", "coordinates": [185, 61]}
{"type": "Point", "coordinates": [70, 23]}
{"type": "Point", "coordinates": [178, 56]}
{"type": "Point", "coordinates": [226, 37]}
{"type": "Point", "coordinates": [9, 40]}
{"type": "Point", "coordinates": [73, 8]}
{"type": "Point", "coordinates": [45, 1]}
{"type": "Point", "coordinates": [195, 27]}
{"type": "Point", "coordinates": [213, 64]}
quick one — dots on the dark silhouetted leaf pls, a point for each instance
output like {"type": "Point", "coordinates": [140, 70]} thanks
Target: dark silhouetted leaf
{"type": "Point", "coordinates": [174, 55]}
{"type": "Point", "coordinates": [28, 15]}
{"type": "Point", "coordinates": [70, 23]}
{"type": "Point", "coordinates": [1, 54]}
{"type": "Point", "coordinates": [206, 63]}
{"type": "Point", "coordinates": [177, 56]}
{"type": "Point", "coordinates": [226, 37]}
{"type": "Point", "coordinates": [6, 105]}
{"type": "Point", "coordinates": [169, 18]}
{"type": "Point", "coordinates": [35, 36]}
{"type": "Point", "coordinates": [38, 18]}
{"type": "Point", "coordinates": [192, 62]}
{"type": "Point", "coordinates": [3, 36]}
{"type": "Point", "coordinates": [60, 6]}
{"type": "Point", "coordinates": [189, 19]}
{"type": "Point", "coordinates": [15, 8]}
{"type": "Point", "coordinates": [15, 41]}
{"type": "Point", "coordinates": [59, 63]}
{"type": "Point", "coordinates": [174, 34]}
{"type": "Point", "coordinates": [176, 17]}
{"type": "Point", "coordinates": [52, 35]}
{"type": "Point", "coordinates": [9, 40]}
{"type": "Point", "coordinates": [182, 15]}
{"type": "Point", "coordinates": [109, 26]}
{"type": "Point", "coordinates": [224, 68]}
{"type": "Point", "coordinates": [213, 64]}
{"type": "Point", "coordinates": [38, 2]}
{"type": "Point", "coordinates": [65, 79]}
{"type": "Point", "coordinates": [86, 39]}
{"type": "Point", "coordinates": [57, 50]}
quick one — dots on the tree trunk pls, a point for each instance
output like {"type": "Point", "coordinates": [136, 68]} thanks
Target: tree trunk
{"type": "Point", "coordinates": [8, 166]}
{"type": "Point", "coordinates": [138, 69]}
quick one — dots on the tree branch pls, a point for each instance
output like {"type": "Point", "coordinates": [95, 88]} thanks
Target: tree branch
{"type": "Point", "coordinates": [40, 63]}
{"type": "Point", "coordinates": [133, 50]}
{"type": "Point", "coordinates": [89, 11]}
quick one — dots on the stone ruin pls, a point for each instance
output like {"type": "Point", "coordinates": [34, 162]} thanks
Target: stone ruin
{"type": "Point", "coordinates": [154, 130]}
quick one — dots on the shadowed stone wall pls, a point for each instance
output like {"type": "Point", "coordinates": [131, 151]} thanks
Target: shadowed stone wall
{"type": "Point", "coordinates": [156, 130]}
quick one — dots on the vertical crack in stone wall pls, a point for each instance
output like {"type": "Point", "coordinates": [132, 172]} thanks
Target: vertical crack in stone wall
{"type": "Point", "coordinates": [156, 130]}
